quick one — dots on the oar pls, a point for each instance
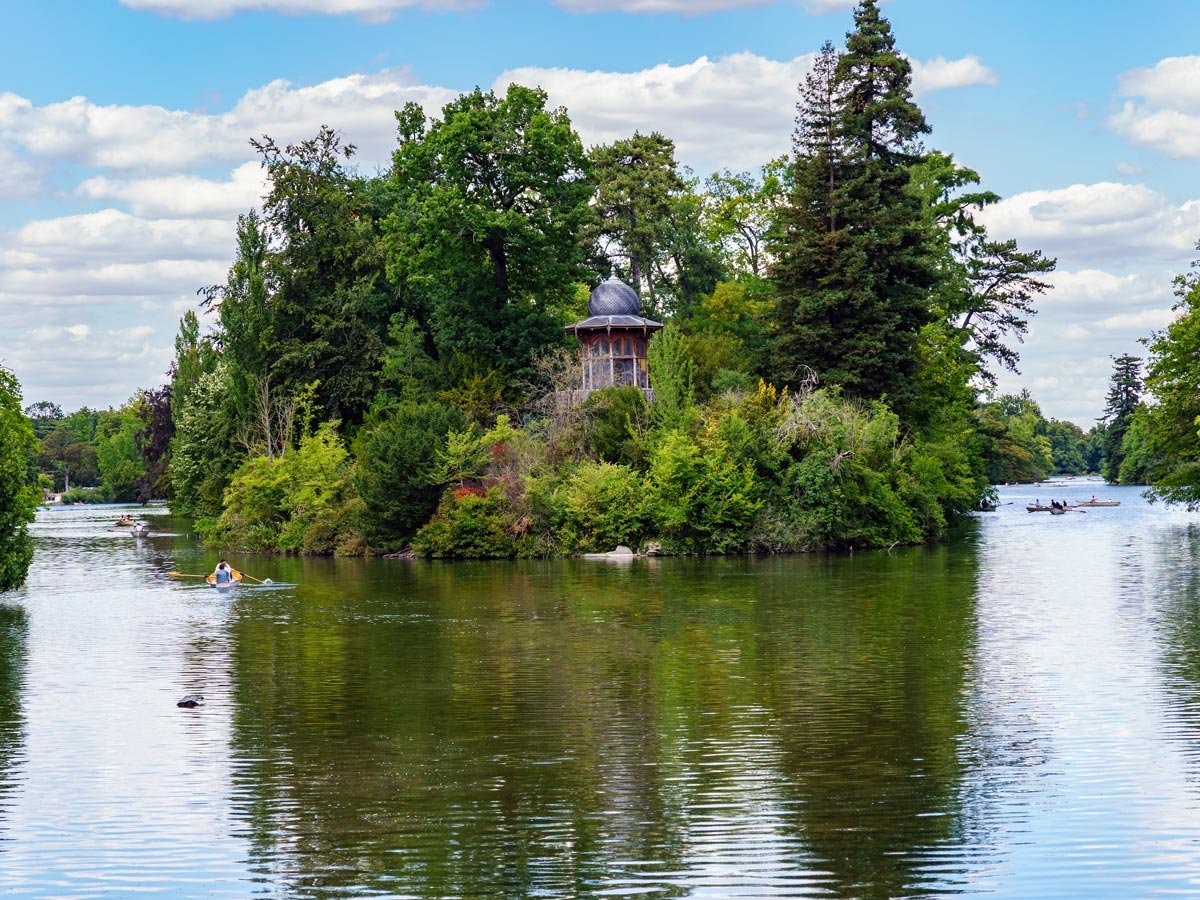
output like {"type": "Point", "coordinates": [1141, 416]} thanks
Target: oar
{"type": "Point", "coordinates": [184, 575]}
{"type": "Point", "coordinates": [252, 578]}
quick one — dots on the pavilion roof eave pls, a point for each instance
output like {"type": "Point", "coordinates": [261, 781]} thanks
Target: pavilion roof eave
{"type": "Point", "coordinates": [607, 323]}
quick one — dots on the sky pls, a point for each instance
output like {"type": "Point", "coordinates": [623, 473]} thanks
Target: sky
{"type": "Point", "coordinates": [125, 130]}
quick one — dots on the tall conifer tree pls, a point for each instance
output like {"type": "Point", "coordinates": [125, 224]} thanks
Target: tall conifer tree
{"type": "Point", "coordinates": [855, 265]}
{"type": "Point", "coordinates": [1124, 394]}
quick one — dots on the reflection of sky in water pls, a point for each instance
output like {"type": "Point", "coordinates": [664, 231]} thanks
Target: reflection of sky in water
{"type": "Point", "coordinates": [1016, 720]}
{"type": "Point", "coordinates": [1085, 796]}
{"type": "Point", "coordinates": [115, 784]}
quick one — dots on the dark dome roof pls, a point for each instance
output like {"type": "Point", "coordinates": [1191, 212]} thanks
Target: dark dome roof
{"type": "Point", "coordinates": [614, 298]}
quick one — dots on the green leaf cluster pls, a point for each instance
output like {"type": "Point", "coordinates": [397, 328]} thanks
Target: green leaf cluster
{"type": "Point", "coordinates": [301, 502]}
{"type": "Point", "coordinates": [19, 496]}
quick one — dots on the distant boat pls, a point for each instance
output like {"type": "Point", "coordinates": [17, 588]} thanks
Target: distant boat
{"type": "Point", "coordinates": [1035, 507]}
{"type": "Point", "coordinates": [125, 521]}
{"type": "Point", "coordinates": [1099, 503]}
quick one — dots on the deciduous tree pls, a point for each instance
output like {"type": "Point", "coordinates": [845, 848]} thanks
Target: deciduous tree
{"type": "Point", "coordinates": [18, 496]}
{"type": "Point", "coordinates": [485, 237]}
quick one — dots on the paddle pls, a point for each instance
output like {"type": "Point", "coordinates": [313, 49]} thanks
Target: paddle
{"type": "Point", "coordinates": [252, 578]}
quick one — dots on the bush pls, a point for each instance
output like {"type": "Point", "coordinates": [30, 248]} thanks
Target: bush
{"type": "Point", "coordinates": [302, 502]}
{"type": "Point", "coordinates": [857, 482]}
{"type": "Point", "coordinates": [82, 495]}
{"type": "Point", "coordinates": [395, 474]}
{"type": "Point", "coordinates": [18, 496]}
{"type": "Point", "coordinates": [602, 505]}
{"type": "Point", "coordinates": [703, 500]}
{"type": "Point", "coordinates": [469, 524]}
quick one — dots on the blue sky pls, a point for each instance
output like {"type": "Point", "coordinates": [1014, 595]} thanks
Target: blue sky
{"type": "Point", "coordinates": [124, 129]}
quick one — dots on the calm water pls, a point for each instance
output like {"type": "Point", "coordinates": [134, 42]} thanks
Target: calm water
{"type": "Point", "coordinates": [1016, 714]}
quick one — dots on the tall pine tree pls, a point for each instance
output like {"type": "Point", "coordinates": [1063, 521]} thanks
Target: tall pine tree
{"type": "Point", "coordinates": [1124, 394]}
{"type": "Point", "coordinates": [854, 266]}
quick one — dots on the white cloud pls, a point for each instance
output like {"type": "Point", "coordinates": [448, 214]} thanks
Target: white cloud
{"type": "Point", "coordinates": [1127, 168]}
{"type": "Point", "coordinates": [1173, 82]}
{"type": "Point", "coordinates": [370, 10]}
{"type": "Point", "coordinates": [93, 366]}
{"type": "Point", "coordinates": [1142, 322]}
{"type": "Point", "coordinates": [940, 74]}
{"type": "Point", "coordinates": [183, 196]}
{"type": "Point", "coordinates": [110, 235]}
{"type": "Point", "coordinates": [1165, 112]}
{"type": "Point", "coordinates": [100, 294]}
{"type": "Point", "coordinates": [1108, 223]}
{"type": "Point", "coordinates": [155, 139]}
{"type": "Point", "coordinates": [687, 7]}
{"type": "Point", "coordinates": [19, 178]}
{"type": "Point", "coordinates": [1093, 286]}
{"type": "Point", "coordinates": [736, 111]}
{"type": "Point", "coordinates": [693, 7]}
{"type": "Point", "coordinates": [1089, 317]}
{"type": "Point", "coordinates": [825, 6]}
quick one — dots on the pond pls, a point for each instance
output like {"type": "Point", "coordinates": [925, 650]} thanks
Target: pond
{"type": "Point", "coordinates": [1014, 713]}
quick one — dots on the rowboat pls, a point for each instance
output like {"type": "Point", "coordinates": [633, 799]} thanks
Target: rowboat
{"type": "Point", "coordinates": [124, 521]}
{"type": "Point", "coordinates": [1099, 503]}
{"type": "Point", "coordinates": [1033, 507]}
{"type": "Point", "coordinates": [212, 579]}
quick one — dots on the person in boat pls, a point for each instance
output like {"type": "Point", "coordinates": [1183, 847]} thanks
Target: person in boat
{"type": "Point", "coordinates": [223, 574]}
{"type": "Point", "coordinates": [1093, 500]}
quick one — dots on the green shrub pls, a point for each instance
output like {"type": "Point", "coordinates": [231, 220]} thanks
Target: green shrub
{"type": "Point", "coordinates": [602, 505]}
{"type": "Point", "coordinates": [469, 525]}
{"type": "Point", "coordinates": [255, 510]}
{"type": "Point", "coordinates": [302, 502]}
{"type": "Point", "coordinates": [82, 495]}
{"type": "Point", "coordinates": [395, 474]}
{"type": "Point", "coordinates": [702, 499]}
{"type": "Point", "coordinates": [18, 496]}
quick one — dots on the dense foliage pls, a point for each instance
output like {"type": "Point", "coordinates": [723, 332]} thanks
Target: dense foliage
{"type": "Point", "coordinates": [1161, 445]}
{"type": "Point", "coordinates": [18, 495]}
{"type": "Point", "coordinates": [388, 367]}
{"type": "Point", "coordinates": [1124, 396]}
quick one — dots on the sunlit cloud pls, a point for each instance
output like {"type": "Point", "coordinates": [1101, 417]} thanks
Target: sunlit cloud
{"type": "Point", "coordinates": [736, 111]}
{"type": "Point", "coordinates": [941, 74]}
{"type": "Point", "coordinates": [379, 11]}
{"type": "Point", "coordinates": [1163, 112]}
{"type": "Point", "coordinates": [1108, 223]}
{"type": "Point", "coordinates": [182, 196]}
{"type": "Point", "coordinates": [151, 138]}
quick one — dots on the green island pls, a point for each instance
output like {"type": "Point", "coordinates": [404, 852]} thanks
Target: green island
{"type": "Point", "coordinates": [422, 360]}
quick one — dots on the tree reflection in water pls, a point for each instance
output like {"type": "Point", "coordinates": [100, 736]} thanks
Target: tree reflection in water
{"type": "Point", "coordinates": [14, 631]}
{"type": "Point", "coordinates": [560, 728]}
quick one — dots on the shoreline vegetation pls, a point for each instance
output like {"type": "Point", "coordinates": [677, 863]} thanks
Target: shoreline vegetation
{"type": "Point", "coordinates": [388, 366]}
